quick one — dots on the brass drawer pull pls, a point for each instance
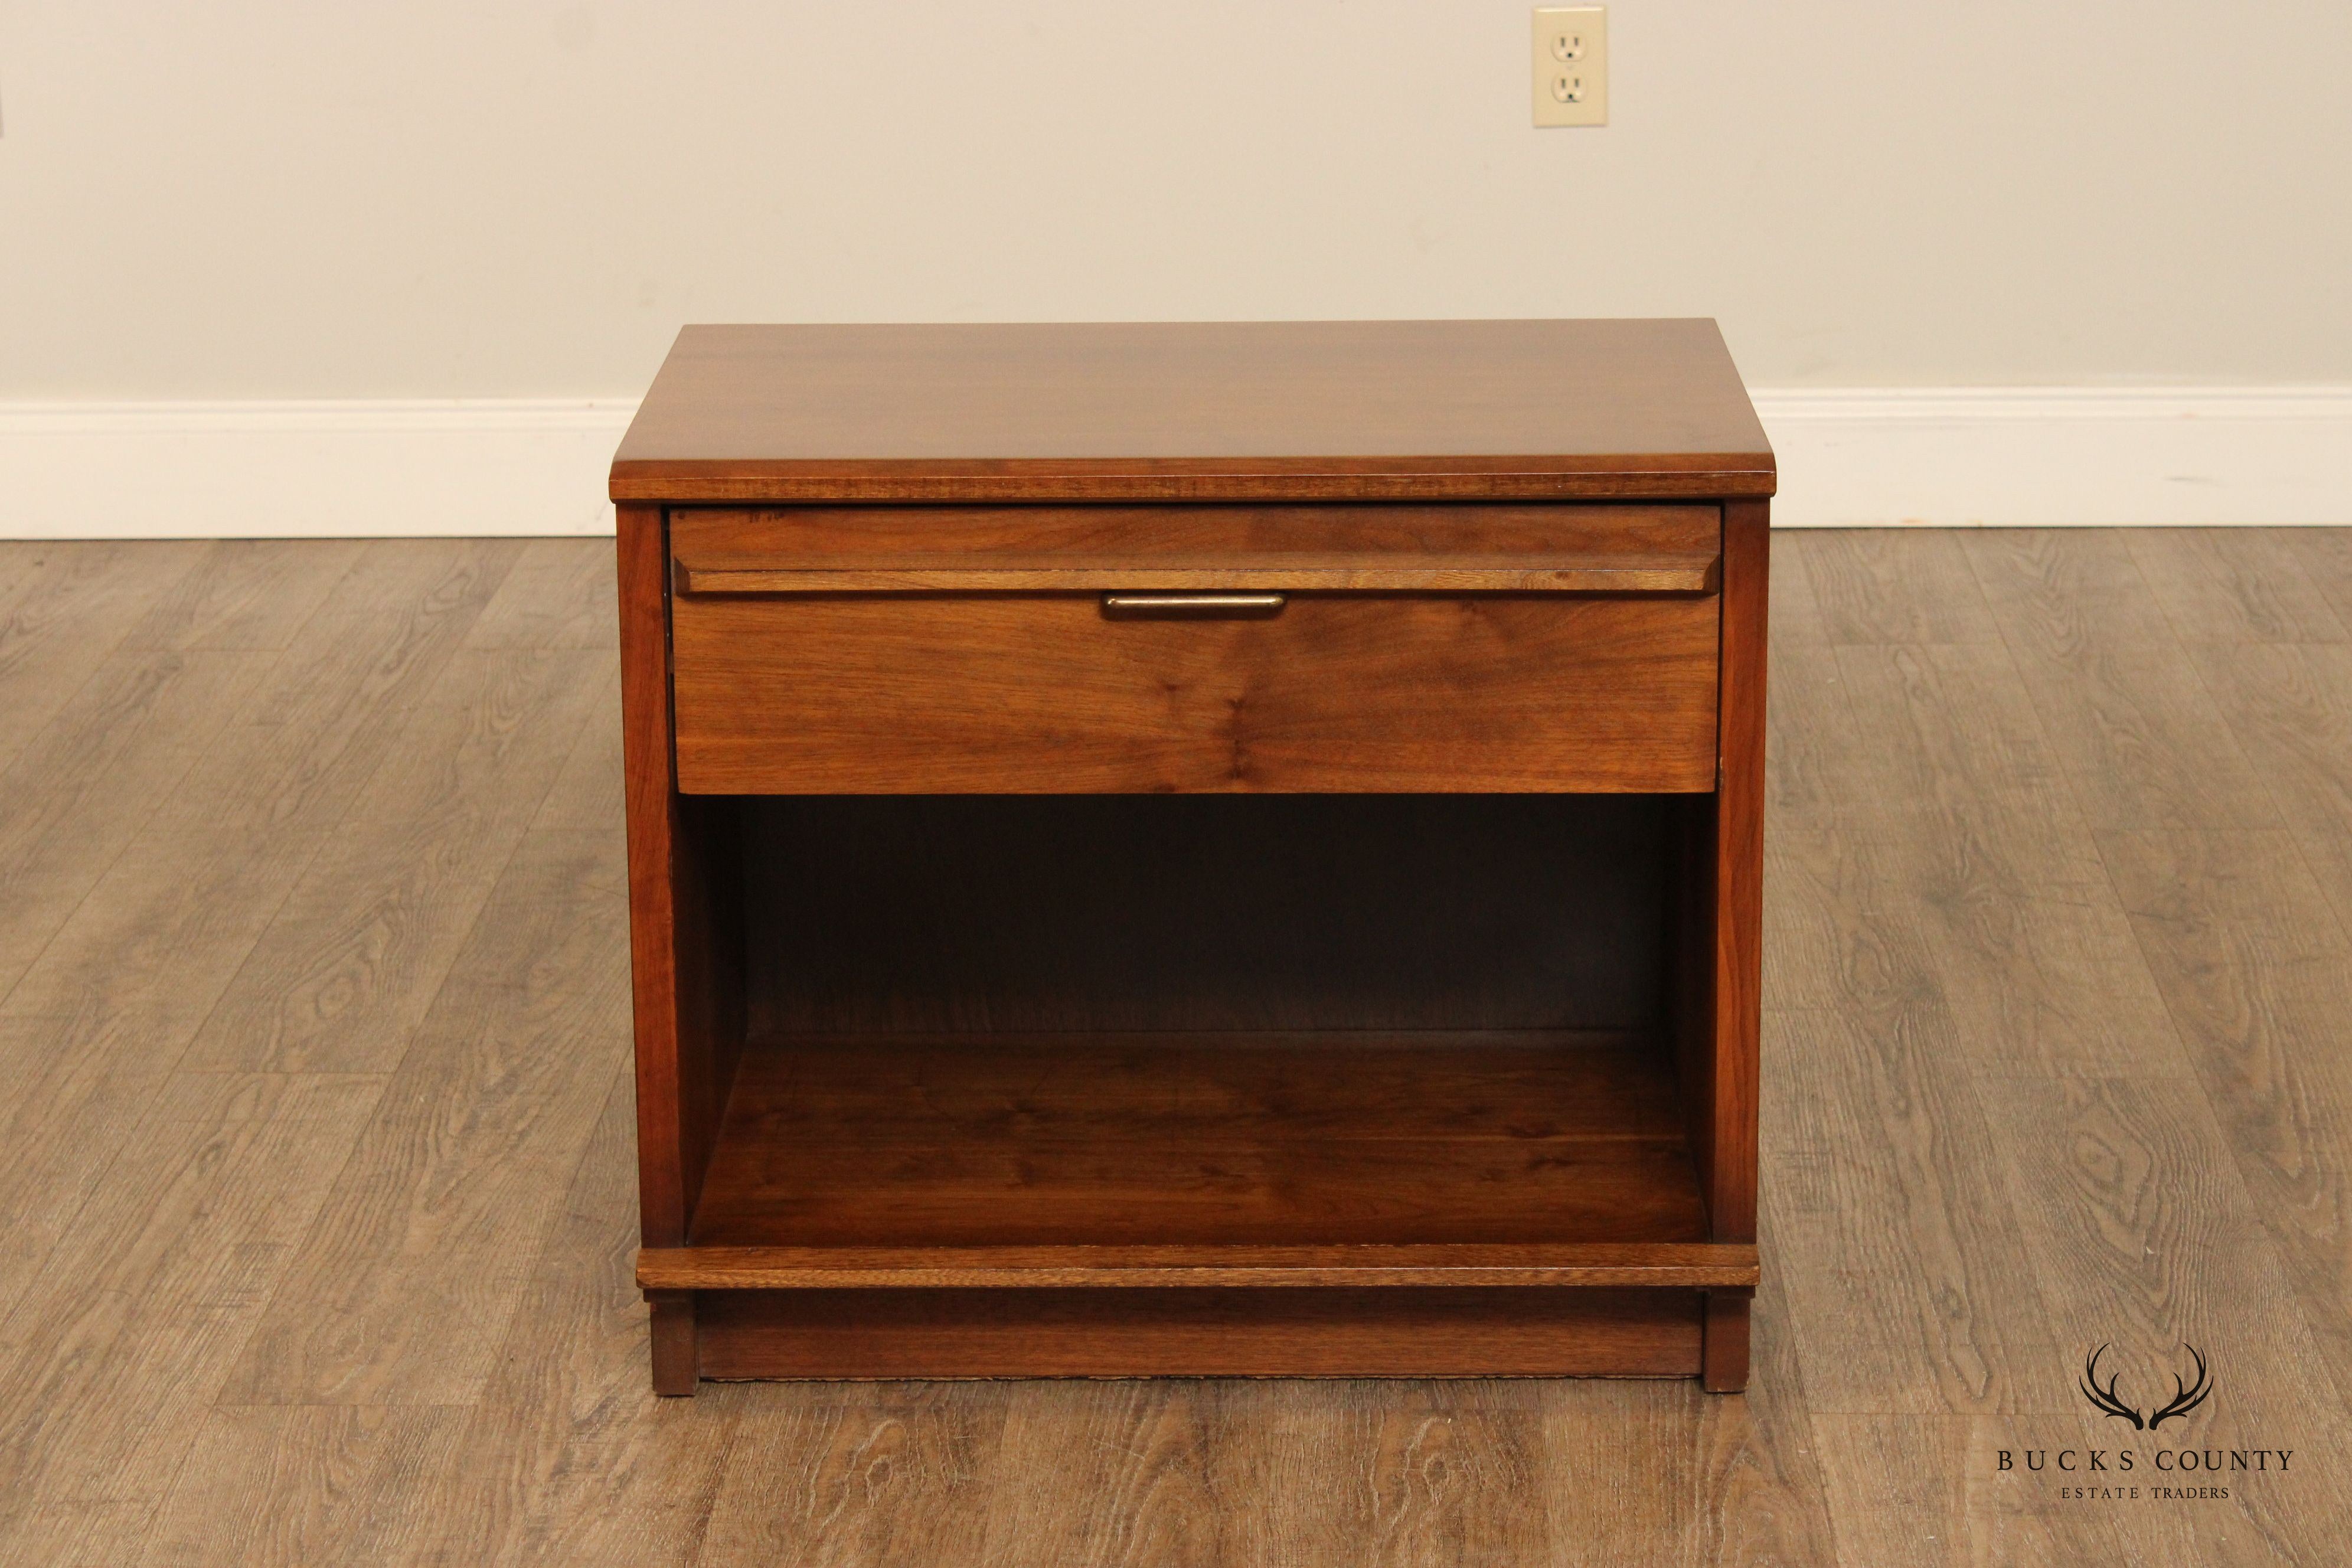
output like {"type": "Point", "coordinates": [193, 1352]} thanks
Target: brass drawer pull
{"type": "Point", "coordinates": [1175, 607]}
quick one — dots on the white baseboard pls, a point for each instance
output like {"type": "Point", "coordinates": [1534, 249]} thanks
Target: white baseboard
{"type": "Point", "coordinates": [536, 466]}
{"type": "Point", "coordinates": [2053, 456]}
{"type": "Point", "coordinates": [302, 470]}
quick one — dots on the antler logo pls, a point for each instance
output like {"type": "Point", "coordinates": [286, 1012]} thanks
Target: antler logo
{"type": "Point", "coordinates": [2185, 1395]}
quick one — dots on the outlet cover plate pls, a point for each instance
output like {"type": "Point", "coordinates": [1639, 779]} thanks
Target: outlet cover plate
{"type": "Point", "coordinates": [1571, 65]}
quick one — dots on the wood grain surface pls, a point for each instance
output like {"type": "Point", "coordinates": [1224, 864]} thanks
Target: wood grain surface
{"type": "Point", "coordinates": [681, 947]}
{"type": "Point", "coordinates": [1730, 1117]}
{"type": "Point", "coordinates": [1012, 1141]}
{"type": "Point", "coordinates": [2028, 1086]}
{"type": "Point", "coordinates": [1310, 1331]}
{"type": "Point", "coordinates": [1202, 411]}
{"type": "Point", "coordinates": [1395, 548]}
{"type": "Point", "coordinates": [883, 694]}
{"type": "Point", "coordinates": [1637, 1263]}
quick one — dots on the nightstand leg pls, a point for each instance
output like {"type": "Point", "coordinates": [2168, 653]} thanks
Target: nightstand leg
{"type": "Point", "coordinates": [677, 1368]}
{"type": "Point", "coordinates": [1723, 1353]}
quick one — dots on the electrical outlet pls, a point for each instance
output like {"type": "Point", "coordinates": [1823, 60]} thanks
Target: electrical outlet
{"type": "Point", "coordinates": [1571, 60]}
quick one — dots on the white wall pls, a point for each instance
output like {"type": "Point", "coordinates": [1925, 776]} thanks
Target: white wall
{"type": "Point", "coordinates": [284, 198]}
{"type": "Point", "coordinates": [332, 199]}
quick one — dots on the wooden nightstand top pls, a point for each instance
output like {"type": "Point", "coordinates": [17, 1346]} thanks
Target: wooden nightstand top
{"type": "Point", "coordinates": [1197, 411]}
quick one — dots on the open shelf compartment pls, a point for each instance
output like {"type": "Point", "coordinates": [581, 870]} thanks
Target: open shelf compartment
{"type": "Point", "coordinates": [1113, 1043]}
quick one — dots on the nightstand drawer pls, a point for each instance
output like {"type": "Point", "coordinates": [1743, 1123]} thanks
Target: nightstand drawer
{"type": "Point", "coordinates": [1371, 649]}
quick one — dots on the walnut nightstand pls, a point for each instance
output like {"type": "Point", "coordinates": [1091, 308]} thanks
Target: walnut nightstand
{"type": "Point", "coordinates": [1221, 849]}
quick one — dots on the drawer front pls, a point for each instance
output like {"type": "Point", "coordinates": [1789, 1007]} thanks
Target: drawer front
{"type": "Point", "coordinates": [1045, 693]}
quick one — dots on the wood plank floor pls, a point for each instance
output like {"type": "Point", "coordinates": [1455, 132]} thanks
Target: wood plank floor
{"type": "Point", "coordinates": [315, 1168]}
